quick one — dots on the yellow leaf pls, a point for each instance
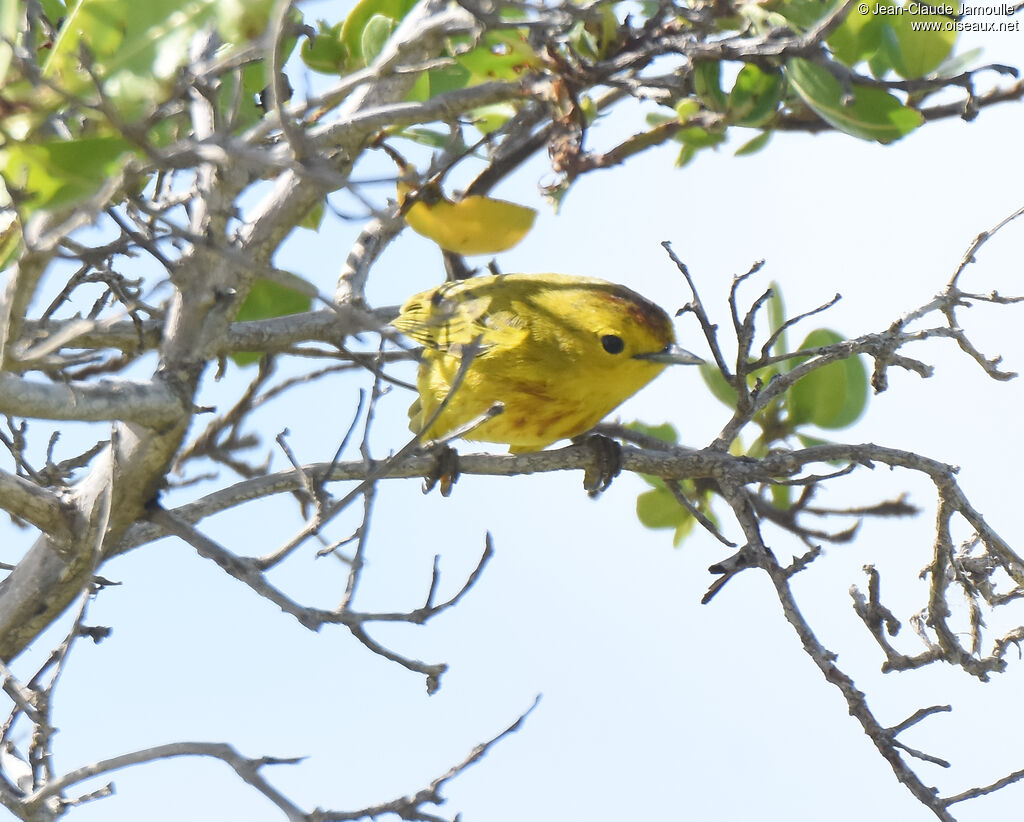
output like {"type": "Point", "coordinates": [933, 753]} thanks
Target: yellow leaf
{"type": "Point", "coordinates": [473, 225]}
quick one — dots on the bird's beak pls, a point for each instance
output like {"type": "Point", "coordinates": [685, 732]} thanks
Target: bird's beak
{"type": "Point", "coordinates": [671, 354]}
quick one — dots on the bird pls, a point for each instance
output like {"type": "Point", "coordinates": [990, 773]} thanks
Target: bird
{"type": "Point", "coordinates": [556, 352]}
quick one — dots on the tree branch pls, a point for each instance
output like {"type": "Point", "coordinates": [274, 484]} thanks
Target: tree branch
{"type": "Point", "coordinates": [149, 403]}
{"type": "Point", "coordinates": [37, 506]}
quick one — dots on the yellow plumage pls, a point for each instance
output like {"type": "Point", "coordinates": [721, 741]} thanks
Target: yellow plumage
{"type": "Point", "coordinates": [560, 352]}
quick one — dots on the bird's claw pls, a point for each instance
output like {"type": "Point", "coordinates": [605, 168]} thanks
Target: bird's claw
{"type": "Point", "coordinates": [607, 464]}
{"type": "Point", "coordinates": [444, 471]}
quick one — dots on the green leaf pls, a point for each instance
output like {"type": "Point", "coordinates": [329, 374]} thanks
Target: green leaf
{"type": "Point", "coordinates": [53, 9]}
{"type": "Point", "coordinates": [755, 145]}
{"type": "Point", "coordinates": [803, 14]}
{"type": "Point", "coordinates": [859, 35]}
{"type": "Point", "coordinates": [420, 90]}
{"type": "Point", "coordinates": [591, 38]}
{"type": "Point", "coordinates": [313, 219]}
{"type": "Point", "coordinates": [492, 117]}
{"type": "Point", "coordinates": [958, 63]}
{"type": "Point", "coordinates": [242, 104]}
{"type": "Point", "coordinates": [777, 317]}
{"type": "Point", "coordinates": [502, 55]}
{"type": "Point", "coordinates": [437, 81]}
{"type": "Point", "coordinates": [268, 299]}
{"type": "Point", "coordinates": [755, 96]}
{"type": "Point", "coordinates": [239, 21]}
{"type": "Point", "coordinates": [425, 136]}
{"type": "Point", "coordinates": [683, 530]}
{"type": "Point", "coordinates": [325, 53]}
{"type": "Point", "coordinates": [686, 154]}
{"type": "Point", "coordinates": [607, 29]}
{"type": "Point", "coordinates": [583, 42]}
{"type": "Point", "coordinates": [244, 358]}
{"type": "Point", "coordinates": [589, 109]}
{"type": "Point", "coordinates": [879, 63]}
{"type": "Point", "coordinates": [685, 109]}
{"type": "Point", "coordinates": [756, 18]}
{"type": "Point", "coordinates": [832, 396]}
{"type": "Point", "coordinates": [873, 114]}
{"type": "Point", "coordinates": [913, 51]}
{"type": "Point", "coordinates": [357, 20]}
{"type": "Point", "coordinates": [721, 389]}
{"type": "Point", "coordinates": [10, 238]}
{"type": "Point", "coordinates": [782, 497]}
{"type": "Point", "coordinates": [696, 137]}
{"type": "Point", "coordinates": [809, 442]}
{"type": "Point", "coordinates": [555, 194]}
{"type": "Point", "coordinates": [136, 48]}
{"type": "Point", "coordinates": [11, 14]}
{"type": "Point", "coordinates": [666, 432]}
{"type": "Point", "coordinates": [447, 78]}
{"type": "Point", "coordinates": [57, 173]}
{"type": "Point", "coordinates": [655, 119]}
{"type": "Point", "coordinates": [376, 33]}
{"type": "Point", "coordinates": [658, 509]}
{"type": "Point", "coordinates": [707, 85]}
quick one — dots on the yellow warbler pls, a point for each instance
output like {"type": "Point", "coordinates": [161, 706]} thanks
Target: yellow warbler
{"type": "Point", "coordinates": [559, 352]}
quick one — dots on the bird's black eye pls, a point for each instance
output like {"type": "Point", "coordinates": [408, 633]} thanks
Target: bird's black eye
{"type": "Point", "coordinates": [612, 343]}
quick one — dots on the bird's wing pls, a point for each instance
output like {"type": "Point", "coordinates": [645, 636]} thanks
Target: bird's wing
{"type": "Point", "coordinates": [450, 316]}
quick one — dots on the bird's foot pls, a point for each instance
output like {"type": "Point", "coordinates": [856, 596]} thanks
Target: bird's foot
{"type": "Point", "coordinates": [607, 464]}
{"type": "Point", "coordinates": [444, 471]}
